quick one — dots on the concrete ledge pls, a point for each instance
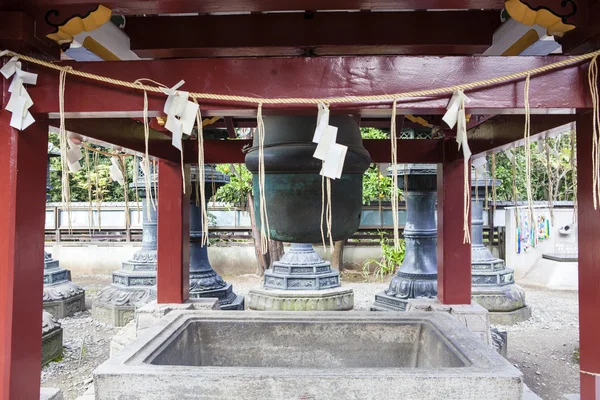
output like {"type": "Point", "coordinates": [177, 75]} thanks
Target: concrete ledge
{"type": "Point", "coordinates": [553, 275]}
{"type": "Point", "coordinates": [336, 299]}
{"type": "Point", "coordinates": [150, 314]}
{"type": "Point", "coordinates": [510, 317]}
{"type": "Point", "coordinates": [306, 359]}
{"type": "Point", "coordinates": [473, 316]}
{"type": "Point", "coordinates": [50, 394]}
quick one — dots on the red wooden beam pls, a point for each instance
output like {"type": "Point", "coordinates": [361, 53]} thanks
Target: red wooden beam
{"type": "Point", "coordinates": [18, 33]}
{"type": "Point", "coordinates": [321, 77]}
{"type": "Point", "coordinates": [173, 268]}
{"type": "Point", "coordinates": [23, 158]}
{"type": "Point", "coordinates": [589, 263]}
{"type": "Point", "coordinates": [321, 33]}
{"type": "Point", "coordinates": [454, 257]}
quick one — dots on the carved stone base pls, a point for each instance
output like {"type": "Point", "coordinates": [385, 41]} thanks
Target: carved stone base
{"type": "Point", "coordinates": [511, 317]}
{"type": "Point", "coordinates": [228, 300]}
{"type": "Point", "coordinates": [52, 338]}
{"type": "Point", "coordinates": [336, 299]}
{"type": "Point", "coordinates": [64, 307]}
{"type": "Point", "coordinates": [115, 305]}
{"type": "Point", "coordinates": [383, 302]}
{"type": "Point", "coordinates": [506, 304]}
{"type": "Point", "coordinates": [499, 298]}
{"type": "Point", "coordinates": [111, 314]}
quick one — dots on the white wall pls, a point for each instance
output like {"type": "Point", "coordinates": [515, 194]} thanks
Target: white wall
{"type": "Point", "coordinates": [523, 262]}
{"type": "Point", "coordinates": [104, 258]}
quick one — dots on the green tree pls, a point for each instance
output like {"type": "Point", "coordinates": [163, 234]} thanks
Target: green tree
{"type": "Point", "coordinates": [561, 173]}
{"type": "Point", "coordinates": [107, 189]}
{"type": "Point", "coordinates": [240, 184]}
{"type": "Point", "coordinates": [376, 186]}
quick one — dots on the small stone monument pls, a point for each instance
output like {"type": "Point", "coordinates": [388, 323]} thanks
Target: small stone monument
{"type": "Point", "coordinates": [558, 269]}
{"type": "Point", "coordinates": [492, 284]}
{"type": "Point", "coordinates": [301, 281]}
{"type": "Point", "coordinates": [417, 276]}
{"type": "Point", "coordinates": [61, 296]}
{"type": "Point", "coordinates": [52, 335]}
{"type": "Point", "coordinates": [566, 247]}
{"type": "Point", "coordinates": [134, 285]}
{"type": "Point", "coordinates": [204, 281]}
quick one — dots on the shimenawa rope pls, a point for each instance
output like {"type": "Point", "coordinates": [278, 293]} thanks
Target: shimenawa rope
{"type": "Point", "coordinates": [344, 99]}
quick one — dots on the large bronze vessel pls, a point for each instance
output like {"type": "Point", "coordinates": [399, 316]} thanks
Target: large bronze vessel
{"type": "Point", "coordinates": [293, 183]}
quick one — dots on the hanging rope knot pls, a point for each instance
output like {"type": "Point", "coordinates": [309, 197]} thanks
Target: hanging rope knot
{"type": "Point", "coordinates": [264, 219]}
{"type": "Point", "coordinates": [394, 159]}
{"type": "Point", "coordinates": [593, 84]}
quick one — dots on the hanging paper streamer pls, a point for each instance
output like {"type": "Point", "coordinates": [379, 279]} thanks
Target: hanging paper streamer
{"type": "Point", "coordinates": [455, 115]}
{"type": "Point", "coordinates": [116, 174]}
{"type": "Point", "coordinates": [333, 156]}
{"type": "Point", "coordinates": [181, 117]}
{"type": "Point", "coordinates": [322, 121]}
{"type": "Point", "coordinates": [20, 102]}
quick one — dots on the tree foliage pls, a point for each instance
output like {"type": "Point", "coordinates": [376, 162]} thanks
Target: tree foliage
{"type": "Point", "coordinates": [240, 184]}
{"type": "Point", "coordinates": [107, 189]}
{"type": "Point", "coordinates": [561, 173]}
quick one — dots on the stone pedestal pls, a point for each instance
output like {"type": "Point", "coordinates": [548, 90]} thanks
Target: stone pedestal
{"type": "Point", "coordinates": [204, 281]}
{"type": "Point", "coordinates": [301, 281]}
{"type": "Point", "coordinates": [52, 337]}
{"type": "Point", "coordinates": [417, 276]}
{"type": "Point", "coordinates": [61, 296]}
{"type": "Point", "coordinates": [134, 285]}
{"type": "Point", "coordinates": [493, 285]}
{"type": "Point", "coordinates": [558, 270]}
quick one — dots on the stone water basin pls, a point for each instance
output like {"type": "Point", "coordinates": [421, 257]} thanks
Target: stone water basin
{"type": "Point", "coordinates": [308, 356]}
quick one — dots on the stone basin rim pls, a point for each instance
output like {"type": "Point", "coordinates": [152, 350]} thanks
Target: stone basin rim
{"type": "Point", "coordinates": [464, 343]}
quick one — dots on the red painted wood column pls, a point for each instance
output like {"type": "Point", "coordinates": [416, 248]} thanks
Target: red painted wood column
{"type": "Point", "coordinates": [589, 264]}
{"type": "Point", "coordinates": [23, 158]}
{"type": "Point", "coordinates": [454, 257]}
{"type": "Point", "coordinates": [173, 270]}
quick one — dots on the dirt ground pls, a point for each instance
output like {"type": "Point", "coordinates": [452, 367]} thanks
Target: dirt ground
{"type": "Point", "coordinates": [543, 347]}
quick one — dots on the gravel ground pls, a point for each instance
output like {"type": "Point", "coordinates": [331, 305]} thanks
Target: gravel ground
{"type": "Point", "coordinates": [542, 347]}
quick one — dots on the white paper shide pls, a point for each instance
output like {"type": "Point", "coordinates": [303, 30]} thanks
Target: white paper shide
{"type": "Point", "coordinates": [20, 102]}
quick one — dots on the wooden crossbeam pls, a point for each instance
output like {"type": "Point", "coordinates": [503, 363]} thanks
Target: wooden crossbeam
{"type": "Point", "coordinates": [320, 33]}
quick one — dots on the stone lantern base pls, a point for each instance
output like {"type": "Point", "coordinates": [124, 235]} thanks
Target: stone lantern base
{"type": "Point", "coordinates": [493, 287]}
{"type": "Point", "coordinates": [52, 337]}
{"type": "Point", "coordinates": [61, 296]}
{"type": "Point", "coordinates": [301, 281]}
{"type": "Point", "coordinates": [228, 300]}
{"type": "Point", "coordinates": [336, 299]}
{"type": "Point", "coordinates": [506, 304]}
{"type": "Point", "coordinates": [115, 305]}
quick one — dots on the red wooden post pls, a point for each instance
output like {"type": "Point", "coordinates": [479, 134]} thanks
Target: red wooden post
{"type": "Point", "coordinates": [173, 270]}
{"type": "Point", "coordinates": [454, 257]}
{"type": "Point", "coordinates": [589, 264]}
{"type": "Point", "coordinates": [23, 158]}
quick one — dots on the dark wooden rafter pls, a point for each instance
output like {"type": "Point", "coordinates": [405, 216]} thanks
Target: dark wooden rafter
{"type": "Point", "coordinates": [584, 38]}
{"type": "Point", "coordinates": [320, 33]}
{"type": "Point", "coordinates": [138, 7]}
{"type": "Point", "coordinates": [502, 131]}
{"type": "Point", "coordinates": [230, 127]}
{"type": "Point", "coordinates": [18, 33]}
{"type": "Point", "coordinates": [127, 134]}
